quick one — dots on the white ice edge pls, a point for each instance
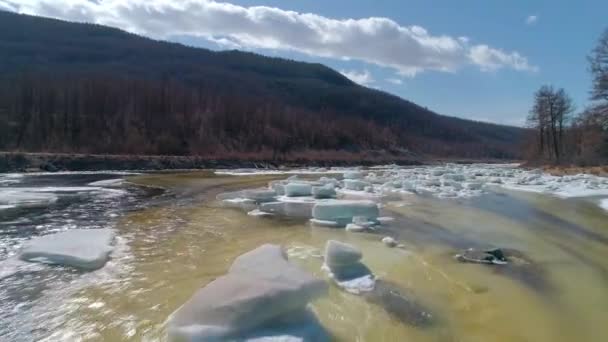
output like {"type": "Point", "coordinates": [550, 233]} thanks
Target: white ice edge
{"type": "Point", "coordinates": [604, 204]}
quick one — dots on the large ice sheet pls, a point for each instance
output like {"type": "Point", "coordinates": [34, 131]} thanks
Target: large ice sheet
{"type": "Point", "coordinates": [15, 197]}
{"type": "Point", "coordinates": [343, 211]}
{"type": "Point", "coordinates": [251, 302]}
{"type": "Point", "coordinates": [87, 249]}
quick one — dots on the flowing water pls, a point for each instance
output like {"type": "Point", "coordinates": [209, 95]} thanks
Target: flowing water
{"type": "Point", "coordinates": [172, 242]}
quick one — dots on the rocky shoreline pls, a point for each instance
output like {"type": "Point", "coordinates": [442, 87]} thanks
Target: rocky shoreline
{"type": "Point", "coordinates": [54, 162]}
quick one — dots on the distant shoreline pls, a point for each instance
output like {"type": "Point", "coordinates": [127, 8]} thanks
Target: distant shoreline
{"type": "Point", "coordinates": [54, 162]}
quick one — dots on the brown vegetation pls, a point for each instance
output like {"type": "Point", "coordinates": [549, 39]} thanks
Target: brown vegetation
{"type": "Point", "coordinates": [79, 88]}
{"type": "Point", "coordinates": [559, 138]}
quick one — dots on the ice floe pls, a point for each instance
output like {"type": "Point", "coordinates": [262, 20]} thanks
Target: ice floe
{"type": "Point", "coordinates": [87, 249]}
{"type": "Point", "coordinates": [343, 265]}
{"type": "Point", "coordinates": [342, 211]}
{"type": "Point", "coordinates": [19, 197]}
{"type": "Point", "coordinates": [336, 201]}
{"type": "Point", "coordinates": [263, 297]}
{"type": "Point", "coordinates": [32, 197]}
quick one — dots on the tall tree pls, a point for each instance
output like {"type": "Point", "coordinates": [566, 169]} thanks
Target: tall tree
{"type": "Point", "coordinates": [549, 116]}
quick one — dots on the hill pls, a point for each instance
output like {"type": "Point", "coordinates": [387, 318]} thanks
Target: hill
{"type": "Point", "coordinates": [84, 88]}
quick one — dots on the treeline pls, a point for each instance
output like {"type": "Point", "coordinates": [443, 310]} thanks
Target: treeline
{"type": "Point", "coordinates": [562, 136]}
{"type": "Point", "coordinates": [92, 113]}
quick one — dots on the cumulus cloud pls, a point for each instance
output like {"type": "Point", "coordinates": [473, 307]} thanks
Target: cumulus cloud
{"type": "Point", "coordinates": [396, 81]}
{"type": "Point", "coordinates": [362, 77]}
{"type": "Point", "coordinates": [490, 59]}
{"type": "Point", "coordinates": [531, 20]}
{"type": "Point", "coordinates": [380, 41]}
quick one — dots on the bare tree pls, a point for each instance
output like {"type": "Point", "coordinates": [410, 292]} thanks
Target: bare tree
{"type": "Point", "coordinates": [549, 116]}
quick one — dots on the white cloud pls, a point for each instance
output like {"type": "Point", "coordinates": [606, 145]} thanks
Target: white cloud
{"type": "Point", "coordinates": [531, 20]}
{"type": "Point", "coordinates": [490, 59]}
{"type": "Point", "coordinates": [381, 41]}
{"type": "Point", "coordinates": [362, 77]}
{"type": "Point", "coordinates": [396, 81]}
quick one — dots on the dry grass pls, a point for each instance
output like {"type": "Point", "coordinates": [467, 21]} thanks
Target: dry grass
{"type": "Point", "coordinates": [574, 170]}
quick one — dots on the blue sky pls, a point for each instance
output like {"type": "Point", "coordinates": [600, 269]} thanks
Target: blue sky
{"type": "Point", "coordinates": [415, 50]}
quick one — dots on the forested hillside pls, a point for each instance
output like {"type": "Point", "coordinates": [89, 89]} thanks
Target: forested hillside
{"type": "Point", "coordinates": [68, 87]}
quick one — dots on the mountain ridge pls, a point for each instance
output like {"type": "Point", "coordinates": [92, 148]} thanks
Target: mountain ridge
{"type": "Point", "coordinates": [64, 54]}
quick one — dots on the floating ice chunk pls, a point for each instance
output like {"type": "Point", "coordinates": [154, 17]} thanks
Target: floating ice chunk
{"type": "Point", "coordinates": [289, 209]}
{"type": "Point", "coordinates": [325, 181]}
{"type": "Point", "coordinates": [454, 176]}
{"type": "Point", "coordinates": [325, 223]}
{"type": "Point", "coordinates": [353, 175]}
{"type": "Point", "coordinates": [343, 211]}
{"type": "Point", "coordinates": [298, 189]}
{"type": "Point", "coordinates": [278, 187]}
{"type": "Point", "coordinates": [352, 227]}
{"type": "Point", "coordinates": [358, 285]}
{"type": "Point", "coordinates": [116, 182]}
{"type": "Point", "coordinates": [261, 289]}
{"type": "Point", "coordinates": [341, 254]}
{"type": "Point", "coordinates": [432, 183]}
{"type": "Point", "coordinates": [260, 195]}
{"type": "Point", "coordinates": [353, 184]}
{"type": "Point", "coordinates": [474, 186]}
{"type": "Point", "coordinates": [342, 263]}
{"type": "Point", "coordinates": [363, 221]}
{"type": "Point", "coordinates": [389, 241]}
{"type": "Point", "coordinates": [259, 213]}
{"type": "Point", "coordinates": [326, 191]}
{"type": "Point", "coordinates": [87, 249]}
{"type": "Point", "coordinates": [385, 219]}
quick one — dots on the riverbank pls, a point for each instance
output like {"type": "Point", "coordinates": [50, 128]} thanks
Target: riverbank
{"type": "Point", "coordinates": [575, 170]}
{"type": "Point", "coordinates": [53, 162]}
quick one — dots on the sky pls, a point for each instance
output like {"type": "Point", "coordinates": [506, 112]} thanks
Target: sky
{"type": "Point", "coordinates": [476, 59]}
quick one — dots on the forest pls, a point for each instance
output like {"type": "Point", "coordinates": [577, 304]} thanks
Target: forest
{"type": "Point", "coordinates": [560, 135]}
{"type": "Point", "coordinates": [84, 88]}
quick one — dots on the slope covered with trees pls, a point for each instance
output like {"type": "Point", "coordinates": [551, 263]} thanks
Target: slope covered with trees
{"type": "Point", "coordinates": [69, 87]}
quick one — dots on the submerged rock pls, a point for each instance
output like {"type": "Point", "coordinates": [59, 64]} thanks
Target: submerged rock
{"type": "Point", "coordinates": [87, 249]}
{"type": "Point", "coordinates": [263, 297]}
{"type": "Point", "coordinates": [399, 304]}
{"type": "Point", "coordinates": [490, 256]}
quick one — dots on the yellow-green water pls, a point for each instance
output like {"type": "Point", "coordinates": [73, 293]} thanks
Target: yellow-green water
{"type": "Point", "coordinates": [176, 246]}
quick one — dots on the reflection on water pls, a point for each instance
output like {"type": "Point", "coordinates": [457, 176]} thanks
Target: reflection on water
{"type": "Point", "coordinates": [555, 291]}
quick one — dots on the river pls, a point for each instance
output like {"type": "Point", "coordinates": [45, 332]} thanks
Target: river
{"type": "Point", "coordinates": [174, 236]}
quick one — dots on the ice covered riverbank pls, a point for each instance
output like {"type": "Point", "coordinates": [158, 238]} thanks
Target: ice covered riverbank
{"type": "Point", "coordinates": [448, 181]}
